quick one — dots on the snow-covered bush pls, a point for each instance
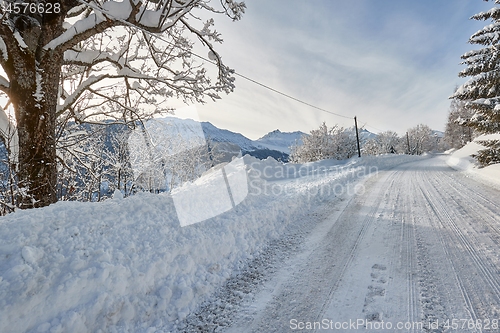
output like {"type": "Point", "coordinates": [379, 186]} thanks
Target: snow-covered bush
{"type": "Point", "coordinates": [94, 161]}
{"type": "Point", "coordinates": [82, 162]}
{"type": "Point", "coordinates": [421, 139]}
{"type": "Point", "coordinates": [325, 143]}
{"type": "Point", "coordinates": [119, 171]}
{"type": "Point", "coordinates": [457, 134]}
{"type": "Point", "coordinates": [385, 143]}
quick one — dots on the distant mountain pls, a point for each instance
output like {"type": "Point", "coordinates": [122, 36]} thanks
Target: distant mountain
{"type": "Point", "coordinates": [281, 141]}
{"type": "Point", "coordinates": [439, 134]}
{"type": "Point", "coordinates": [228, 142]}
{"type": "Point", "coordinates": [275, 144]}
{"type": "Point", "coordinates": [216, 134]}
{"type": "Point", "coordinates": [365, 135]}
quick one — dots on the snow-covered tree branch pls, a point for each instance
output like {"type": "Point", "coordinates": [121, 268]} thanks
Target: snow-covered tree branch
{"type": "Point", "coordinates": [91, 61]}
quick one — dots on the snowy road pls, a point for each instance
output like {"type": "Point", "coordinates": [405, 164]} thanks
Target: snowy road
{"type": "Point", "coordinates": [419, 251]}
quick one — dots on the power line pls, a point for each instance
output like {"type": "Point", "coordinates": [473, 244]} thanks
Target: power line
{"type": "Point", "coordinates": [377, 129]}
{"type": "Point", "coordinates": [213, 63]}
{"type": "Point", "coordinates": [290, 97]}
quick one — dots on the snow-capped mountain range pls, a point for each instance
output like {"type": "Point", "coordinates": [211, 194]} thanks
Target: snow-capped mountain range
{"type": "Point", "coordinates": [281, 141]}
{"type": "Point", "coordinates": [275, 140]}
{"type": "Point", "coordinates": [275, 144]}
{"type": "Point", "coordinates": [216, 134]}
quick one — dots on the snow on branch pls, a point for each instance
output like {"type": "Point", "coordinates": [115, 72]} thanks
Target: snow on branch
{"type": "Point", "coordinates": [8, 132]}
{"type": "Point", "coordinates": [493, 13]}
{"type": "Point", "coordinates": [155, 16]}
{"type": "Point", "coordinates": [145, 72]}
{"type": "Point", "coordinates": [114, 13]}
{"type": "Point", "coordinates": [127, 59]}
{"type": "Point", "coordinates": [80, 90]}
{"type": "Point", "coordinates": [20, 40]}
{"type": "Point", "coordinates": [93, 57]}
{"type": "Point", "coordinates": [3, 50]}
{"type": "Point", "coordinates": [4, 84]}
{"type": "Point", "coordinates": [80, 31]}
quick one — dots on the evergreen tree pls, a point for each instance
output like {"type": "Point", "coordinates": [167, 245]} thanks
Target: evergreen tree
{"type": "Point", "coordinates": [482, 90]}
{"type": "Point", "coordinates": [490, 155]}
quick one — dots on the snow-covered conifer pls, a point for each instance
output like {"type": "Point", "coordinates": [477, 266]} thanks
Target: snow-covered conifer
{"type": "Point", "coordinates": [482, 90]}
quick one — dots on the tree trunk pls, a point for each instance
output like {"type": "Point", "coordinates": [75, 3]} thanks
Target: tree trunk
{"type": "Point", "coordinates": [36, 120]}
{"type": "Point", "coordinates": [34, 80]}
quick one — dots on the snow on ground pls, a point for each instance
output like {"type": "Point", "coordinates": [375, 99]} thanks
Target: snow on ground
{"type": "Point", "coordinates": [461, 160]}
{"type": "Point", "coordinates": [126, 265]}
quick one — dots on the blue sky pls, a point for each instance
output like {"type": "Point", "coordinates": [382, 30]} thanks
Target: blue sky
{"type": "Point", "coordinates": [393, 64]}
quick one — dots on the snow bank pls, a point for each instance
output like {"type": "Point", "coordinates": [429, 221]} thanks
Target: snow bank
{"type": "Point", "coordinates": [461, 160]}
{"type": "Point", "coordinates": [126, 264]}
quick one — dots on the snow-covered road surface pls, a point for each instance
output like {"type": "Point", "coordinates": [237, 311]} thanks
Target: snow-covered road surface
{"type": "Point", "coordinates": [419, 251]}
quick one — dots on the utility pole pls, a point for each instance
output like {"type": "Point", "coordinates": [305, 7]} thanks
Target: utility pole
{"type": "Point", "coordinates": [357, 135]}
{"type": "Point", "coordinates": [408, 142]}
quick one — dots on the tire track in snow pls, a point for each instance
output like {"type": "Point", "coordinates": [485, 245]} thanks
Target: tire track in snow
{"type": "Point", "coordinates": [460, 284]}
{"type": "Point", "coordinates": [402, 258]}
{"type": "Point", "coordinates": [475, 201]}
{"type": "Point", "coordinates": [473, 298]}
{"type": "Point", "coordinates": [483, 264]}
{"type": "Point", "coordinates": [408, 241]}
{"type": "Point", "coordinates": [307, 288]}
{"type": "Point", "coordinates": [389, 293]}
{"type": "Point", "coordinates": [368, 220]}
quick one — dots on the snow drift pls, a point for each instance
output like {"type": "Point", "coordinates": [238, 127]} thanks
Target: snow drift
{"type": "Point", "coordinates": [462, 160]}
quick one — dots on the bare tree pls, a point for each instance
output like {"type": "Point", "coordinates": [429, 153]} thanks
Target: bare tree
{"type": "Point", "coordinates": [164, 156]}
{"type": "Point", "coordinates": [325, 143]}
{"type": "Point", "coordinates": [94, 60]}
{"type": "Point", "coordinates": [421, 140]}
{"type": "Point", "coordinates": [384, 143]}
{"type": "Point", "coordinates": [119, 172]}
{"type": "Point", "coordinates": [457, 134]}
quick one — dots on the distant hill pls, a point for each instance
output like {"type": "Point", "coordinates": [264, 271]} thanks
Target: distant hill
{"type": "Point", "coordinates": [281, 141]}
{"type": "Point", "coordinates": [275, 140]}
{"type": "Point", "coordinates": [439, 134]}
{"type": "Point", "coordinates": [364, 134]}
